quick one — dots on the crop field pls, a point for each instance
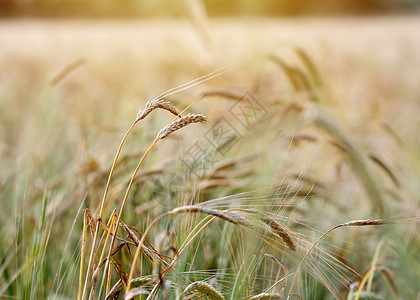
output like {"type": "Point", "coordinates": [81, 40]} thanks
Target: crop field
{"type": "Point", "coordinates": [221, 159]}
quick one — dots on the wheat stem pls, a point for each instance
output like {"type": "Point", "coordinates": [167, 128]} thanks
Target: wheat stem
{"type": "Point", "coordinates": [184, 246]}
{"type": "Point", "coordinates": [82, 255]}
{"type": "Point", "coordinates": [225, 215]}
{"type": "Point", "coordinates": [110, 224]}
{"type": "Point", "coordinates": [367, 222]}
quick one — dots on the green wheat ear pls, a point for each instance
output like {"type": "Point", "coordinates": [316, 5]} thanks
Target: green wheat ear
{"type": "Point", "coordinates": [204, 289]}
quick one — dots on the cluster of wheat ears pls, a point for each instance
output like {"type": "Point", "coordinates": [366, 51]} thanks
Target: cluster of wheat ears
{"type": "Point", "coordinates": [98, 262]}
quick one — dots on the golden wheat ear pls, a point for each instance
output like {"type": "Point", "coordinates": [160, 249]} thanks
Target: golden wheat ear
{"type": "Point", "coordinates": [178, 124]}
{"type": "Point", "coordinates": [154, 104]}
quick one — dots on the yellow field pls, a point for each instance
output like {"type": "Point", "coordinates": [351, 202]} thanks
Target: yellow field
{"type": "Point", "coordinates": [324, 128]}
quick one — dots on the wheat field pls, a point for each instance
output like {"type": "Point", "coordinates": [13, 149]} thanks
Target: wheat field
{"type": "Point", "coordinates": [266, 159]}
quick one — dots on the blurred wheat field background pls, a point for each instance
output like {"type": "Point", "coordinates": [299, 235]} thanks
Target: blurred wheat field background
{"type": "Point", "coordinates": [329, 145]}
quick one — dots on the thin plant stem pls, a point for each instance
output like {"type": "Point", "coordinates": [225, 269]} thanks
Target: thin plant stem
{"type": "Point", "coordinates": [131, 184]}
{"type": "Point", "coordinates": [113, 168]}
{"type": "Point", "coordinates": [94, 248]}
{"type": "Point", "coordinates": [185, 244]}
{"type": "Point", "coordinates": [367, 222]}
{"type": "Point", "coordinates": [306, 255]}
{"type": "Point", "coordinates": [107, 269]}
{"type": "Point", "coordinates": [110, 226]}
{"type": "Point", "coordinates": [82, 255]}
{"type": "Point", "coordinates": [369, 276]}
{"type": "Point", "coordinates": [137, 254]}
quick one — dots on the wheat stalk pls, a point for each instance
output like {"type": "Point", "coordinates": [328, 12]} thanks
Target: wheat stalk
{"type": "Point", "coordinates": [366, 222]}
{"type": "Point", "coordinates": [225, 215]}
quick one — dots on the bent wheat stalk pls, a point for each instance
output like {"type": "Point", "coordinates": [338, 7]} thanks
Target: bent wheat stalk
{"type": "Point", "coordinates": [367, 222]}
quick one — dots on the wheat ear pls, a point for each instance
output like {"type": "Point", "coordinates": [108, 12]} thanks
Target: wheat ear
{"type": "Point", "coordinates": [178, 124]}
{"type": "Point", "coordinates": [204, 289]}
{"type": "Point", "coordinates": [282, 231]}
{"type": "Point", "coordinates": [154, 104]}
{"type": "Point", "coordinates": [225, 215]}
{"type": "Point", "coordinates": [135, 283]}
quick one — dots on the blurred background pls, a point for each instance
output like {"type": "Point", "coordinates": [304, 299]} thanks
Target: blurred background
{"type": "Point", "coordinates": [332, 75]}
{"type": "Point", "coordinates": [215, 8]}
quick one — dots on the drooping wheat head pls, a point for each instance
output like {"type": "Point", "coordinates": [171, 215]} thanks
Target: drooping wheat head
{"type": "Point", "coordinates": [180, 123]}
{"type": "Point", "coordinates": [154, 104]}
